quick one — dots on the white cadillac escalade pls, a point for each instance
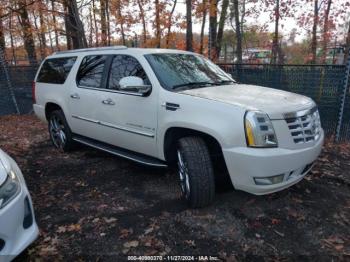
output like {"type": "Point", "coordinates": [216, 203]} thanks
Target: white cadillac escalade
{"type": "Point", "coordinates": [161, 107]}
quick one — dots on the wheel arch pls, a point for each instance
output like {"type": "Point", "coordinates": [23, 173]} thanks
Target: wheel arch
{"type": "Point", "coordinates": [50, 107]}
{"type": "Point", "coordinates": [173, 134]}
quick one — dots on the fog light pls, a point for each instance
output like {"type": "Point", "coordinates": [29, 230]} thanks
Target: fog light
{"type": "Point", "coordinates": [28, 214]}
{"type": "Point", "coordinates": [269, 180]}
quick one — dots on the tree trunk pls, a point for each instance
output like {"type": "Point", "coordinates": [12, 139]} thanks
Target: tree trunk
{"type": "Point", "coordinates": [275, 36]}
{"type": "Point", "coordinates": [221, 26]}
{"type": "Point", "coordinates": [347, 46]}
{"type": "Point", "coordinates": [2, 35]}
{"type": "Point", "coordinates": [103, 22]}
{"type": "Point", "coordinates": [314, 34]}
{"type": "Point", "coordinates": [170, 23]}
{"type": "Point", "coordinates": [121, 21]}
{"type": "Point", "coordinates": [213, 13]}
{"type": "Point", "coordinates": [55, 24]}
{"type": "Point", "coordinates": [108, 24]}
{"type": "Point", "coordinates": [42, 30]}
{"type": "Point", "coordinates": [68, 30]}
{"type": "Point", "coordinates": [189, 35]}
{"type": "Point", "coordinates": [27, 32]}
{"type": "Point", "coordinates": [91, 28]}
{"type": "Point", "coordinates": [204, 14]}
{"type": "Point", "coordinates": [325, 32]}
{"type": "Point", "coordinates": [95, 22]}
{"type": "Point", "coordinates": [142, 14]}
{"type": "Point", "coordinates": [37, 31]}
{"type": "Point", "coordinates": [158, 33]}
{"type": "Point", "coordinates": [238, 32]}
{"type": "Point", "coordinates": [74, 25]}
{"type": "Point", "coordinates": [13, 48]}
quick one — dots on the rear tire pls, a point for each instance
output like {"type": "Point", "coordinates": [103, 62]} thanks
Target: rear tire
{"type": "Point", "coordinates": [195, 171]}
{"type": "Point", "coordinates": [60, 133]}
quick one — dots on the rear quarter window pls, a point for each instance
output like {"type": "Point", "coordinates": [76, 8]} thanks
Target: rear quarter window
{"type": "Point", "coordinates": [56, 70]}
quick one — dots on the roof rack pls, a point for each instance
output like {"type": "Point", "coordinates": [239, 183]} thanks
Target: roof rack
{"type": "Point", "coordinates": [105, 48]}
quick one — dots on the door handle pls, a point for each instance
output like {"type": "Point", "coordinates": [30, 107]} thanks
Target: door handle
{"type": "Point", "coordinates": [75, 96]}
{"type": "Point", "coordinates": [108, 102]}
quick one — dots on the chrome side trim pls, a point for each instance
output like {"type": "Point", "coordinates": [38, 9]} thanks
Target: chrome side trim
{"type": "Point", "coordinates": [111, 91]}
{"type": "Point", "coordinates": [114, 126]}
{"type": "Point", "coordinates": [299, 113]}
{"type": "Point", "coordinates": [118, 153]}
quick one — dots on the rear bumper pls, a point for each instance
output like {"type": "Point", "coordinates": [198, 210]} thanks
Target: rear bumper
{"type": "Point", "coordinates": [39, 110]}
{"type": "Point", "coordinates": [244, 164]}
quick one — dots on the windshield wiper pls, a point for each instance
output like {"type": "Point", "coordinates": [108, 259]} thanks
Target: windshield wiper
{"type": "Point", "coordinates": [193, 84]}
{"type": "Point", "coordinates": [224, 82]}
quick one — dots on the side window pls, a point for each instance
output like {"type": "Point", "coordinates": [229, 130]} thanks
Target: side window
{"type": "Point", "coordinates": [122, 66]}
{"type": "Point", "coordinates": [91, 71]}
{"type": "Point", "coordinates": [55, 70]}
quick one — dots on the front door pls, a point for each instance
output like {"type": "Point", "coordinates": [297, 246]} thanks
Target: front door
{"type": "Point", "coordinates": [128, 119]}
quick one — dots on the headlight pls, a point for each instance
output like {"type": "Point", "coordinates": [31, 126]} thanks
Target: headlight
{"type": "Point", "coordinates": [259, 130]}
{"type": "Point", "coordinates": [10, 189]}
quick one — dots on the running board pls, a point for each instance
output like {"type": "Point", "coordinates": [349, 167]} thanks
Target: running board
{"type": "Point", "coordinates": [137, 157]}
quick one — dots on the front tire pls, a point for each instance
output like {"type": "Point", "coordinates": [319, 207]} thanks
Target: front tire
{"type": "Point", "coordinates": [60, 133]}
{"type": "Point", "coordinates": [195, 171]}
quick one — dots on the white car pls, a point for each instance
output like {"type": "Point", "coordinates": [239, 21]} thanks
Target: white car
{"type": "Point", "coordinates": [161, 107]}
{"type": "Point", "coordinates": [18, 228]}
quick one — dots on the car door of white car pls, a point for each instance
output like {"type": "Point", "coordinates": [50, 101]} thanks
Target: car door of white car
{"type": "Point", "coordinates": [86, 95]}
{"type": "Point", "coordinates": [129, 119]}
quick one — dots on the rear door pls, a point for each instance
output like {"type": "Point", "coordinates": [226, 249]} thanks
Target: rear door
{"type": "Point", "coordinates": [86, 95]}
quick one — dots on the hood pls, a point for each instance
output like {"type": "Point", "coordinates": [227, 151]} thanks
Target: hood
{"type": "Point", "coordinates": [3, 171]}
{"type": "Point", "coordinates": [271, 101]}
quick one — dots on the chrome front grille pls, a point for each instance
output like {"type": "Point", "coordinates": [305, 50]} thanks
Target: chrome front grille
{"type": "Point", "coordinates": [304, 126]}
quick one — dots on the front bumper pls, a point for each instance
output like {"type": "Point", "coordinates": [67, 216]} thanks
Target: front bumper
{"type": "Point", "coordinates": [245, 163]}
{"type": "Point", "coordinates": [17, 231]}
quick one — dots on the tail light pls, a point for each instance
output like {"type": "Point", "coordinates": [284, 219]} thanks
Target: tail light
{"type": "Point", "coordinates": [33, 92]}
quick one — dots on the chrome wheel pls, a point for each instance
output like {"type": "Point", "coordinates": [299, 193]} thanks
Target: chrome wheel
{"type": "Point", "coordinates": [183, 174]}
{"type": "Point", "coordinates": [57, 132]}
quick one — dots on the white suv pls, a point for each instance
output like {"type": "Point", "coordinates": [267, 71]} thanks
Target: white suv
{"type": "Point", "coordinates": [161, 107]}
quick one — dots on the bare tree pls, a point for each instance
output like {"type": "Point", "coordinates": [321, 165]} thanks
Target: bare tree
{"type": "Point", "coordinates": [347, 45]}
{"type": "Point", "coordinates": [55, 24]}
{"type": "Point", "coordinates": [143, 20]}
{"type": "Point", "coordinates": [189, 35]}
{"type": "Point", "coordinates": [204, 18]}
{"type": "Point", "coordinates": [103, 22]}
{"type": "Point", "coordinates": [170, 23]}
{"type": "Point", "coordinates": [325, 31]}
{"type": "Point", "coordinates": [213, 13]}
{"type": "Point", "coordinates": [2, 34]}
{"type": "Point", "coordinates": [314, 34]}
{"type": "Point", "coordinates": [95, 22]}
{"type": "Point", "coordinates": [74, 27]}
{"type": "Point", "coordinates": [222, 21]}
{"type": "Point", "coordinates": [28, 37]}
{"type": "Point", "coordinates": [238, 31]}
{"type": "Point", "coordinates": [275, 45]}
{"type": "Point", "coordinates": [158, 33]}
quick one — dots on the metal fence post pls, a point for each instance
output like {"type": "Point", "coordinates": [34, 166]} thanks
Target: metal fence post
{"type": "Point", "coordinates": [343, 97]}
{"type": "Point", "coordinates": [8, 80]}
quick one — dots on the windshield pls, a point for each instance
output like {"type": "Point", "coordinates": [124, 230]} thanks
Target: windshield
{"type": "Point", "coordinates": [186, 71]}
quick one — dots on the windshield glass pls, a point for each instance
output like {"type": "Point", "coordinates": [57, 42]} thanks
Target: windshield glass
{"type": "Point", "coordinates": [186, 71]}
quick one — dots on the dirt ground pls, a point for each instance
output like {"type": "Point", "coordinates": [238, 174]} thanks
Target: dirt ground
{"type": "Point", "coordinates": [94, 206]}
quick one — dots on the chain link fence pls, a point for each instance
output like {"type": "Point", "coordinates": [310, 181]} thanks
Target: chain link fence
{"type": "Point", "coordinates": [323, 83]}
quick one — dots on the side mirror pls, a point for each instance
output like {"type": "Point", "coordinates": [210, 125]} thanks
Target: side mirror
{"type": "Point", "coordinates": [134, 84]}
